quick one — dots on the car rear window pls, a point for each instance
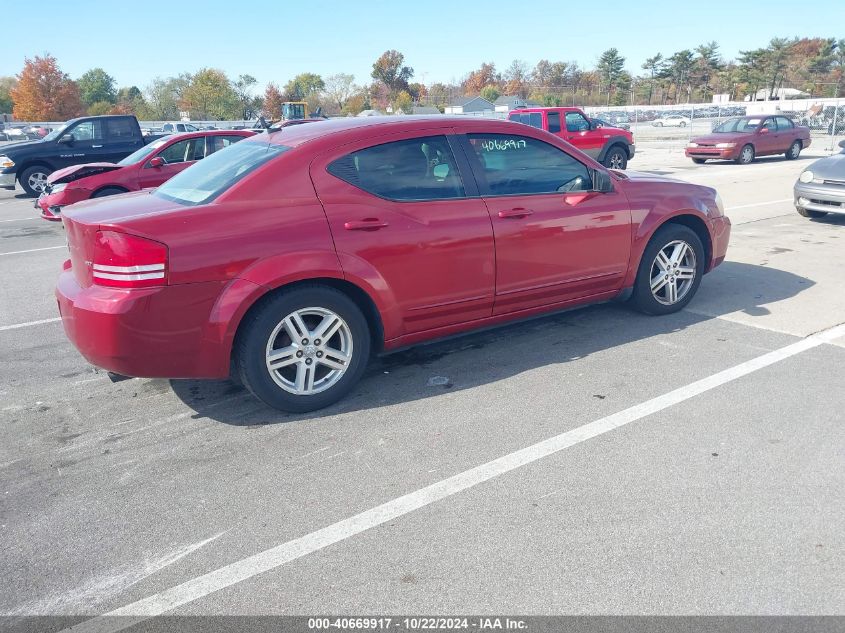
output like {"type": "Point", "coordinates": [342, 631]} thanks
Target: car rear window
{"type": "Point", "coordinates": [534, 119]}
{"type": "Point", "coordinates": [207, 179]}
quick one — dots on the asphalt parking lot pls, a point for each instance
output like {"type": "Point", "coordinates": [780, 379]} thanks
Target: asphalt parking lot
{"type": "Point", "coordinates": [596, 461]}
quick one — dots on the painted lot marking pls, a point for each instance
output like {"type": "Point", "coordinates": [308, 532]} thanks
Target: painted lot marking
{"type": "Point", "coordinates": [758, 204]}
{"type": "Point", "coordinates": [34, 250]}
{"type": "Point", "coordinates": [22, 219]}
{"type": "Point", "coordinates": [275, 557]}
{"type": "Point", "coordinates": [3, 328]}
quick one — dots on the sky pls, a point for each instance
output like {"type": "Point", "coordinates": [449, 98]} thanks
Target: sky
{"type": "Point", "coordinates": [442, 40]}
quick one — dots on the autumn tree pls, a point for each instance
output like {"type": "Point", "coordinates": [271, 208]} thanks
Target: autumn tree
{"type": "Point", "coordinates": [491, 93]}
{"type": "Point", "coordinates": [44, 92]}
{"type": "Point", "coordinates": [303, 86]}
{"type": "Point", "coordinates": [130, 100]}
{"type": "Point", "coordinates": [516, 78]}
{"type": "Point", "coordinates": [164, 95]}
{"type": "Point", "coordinates": [272, 101]}
{"type": "Point", "coordinates": [403, 103]}
{"type": "Point", "coordinates": [6, 85]}
{"type": "Point", "coordinates": [97, 85]}
{"type": "Point", "coordinates": [476, 81]}
{"type": "Point", "coordinates": [338, 89]}
{"type": "Point", "coordinates": [390, 70]}
{"type": "Point", "coordinates": [210, 96]}
{"type": "Point", "coordinates": [249, 104]}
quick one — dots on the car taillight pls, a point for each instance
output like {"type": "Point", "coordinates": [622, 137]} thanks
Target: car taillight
{"type": "Point", "coordinates": [128, 261]}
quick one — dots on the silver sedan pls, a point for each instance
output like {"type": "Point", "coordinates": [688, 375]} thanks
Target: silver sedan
{"type": "Point", "coordinates": [821, 187]}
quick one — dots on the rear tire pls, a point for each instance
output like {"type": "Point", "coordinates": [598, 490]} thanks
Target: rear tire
{"type": "Point", "coordinates": [34, 179]}
{"type": "Point", "coordinates": [616, 158]}
{"type": "Point", "coordinates": [682, 124]}
{"type": "Point", "coordinates": [746, 155]}
{"type": "Point", "coordinates": [109, 191]}
{"type": "Point", "coordinates": [659, 271]}
{"type": "Point", "coordinates": [794, 151]}
{"type": "Point", "coordinates": [807, 213]}
{"type": "Point", "coordinates": [307, 372]}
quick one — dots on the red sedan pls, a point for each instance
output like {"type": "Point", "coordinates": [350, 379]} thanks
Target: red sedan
{"type": "Point", "coordinates": [150, 166]}
{"type": "Point", "coordinates": [359, 236]}
{"type": "Point", "coordinates": [745, 138]}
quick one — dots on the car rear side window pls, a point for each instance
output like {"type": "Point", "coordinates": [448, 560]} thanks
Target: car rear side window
{"type": "Point", "coordinates": [413, 169]}
{"type": "Point", "coordinates": [120, 129]}
{"type": "Point", "coordinates": [534, 119]}
{"type": "Point", "coordinates": [784, 124]}
{"type": "Point", "coordinates": [554, 121]}
{"type": "Point", "coordinates": [519, 165]}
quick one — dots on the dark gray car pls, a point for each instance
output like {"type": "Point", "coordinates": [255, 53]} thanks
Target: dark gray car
{"type": "Point", "coordinates": [820, 188]}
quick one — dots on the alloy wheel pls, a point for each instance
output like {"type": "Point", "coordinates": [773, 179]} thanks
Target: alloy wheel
{"type": "Point", "coordinates": [309, 351]}
{"type": "Point", "coordinates": [37, 181]}
{"type": "Point", "coordinates": [616, 161]}
{"type": "Point", "coordinates": [673, 272]}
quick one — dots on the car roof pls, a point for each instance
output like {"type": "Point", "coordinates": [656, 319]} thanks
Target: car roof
{"type": "Point", "coordinates": [200, 133]}
{"type": "Point", "coordinates": [349, 128]}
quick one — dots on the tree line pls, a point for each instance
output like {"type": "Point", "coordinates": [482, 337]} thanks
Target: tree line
{"type": "Point", "coordinates": [43, 92]}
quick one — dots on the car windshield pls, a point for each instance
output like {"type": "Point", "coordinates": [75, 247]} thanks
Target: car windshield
{"type": "Point", "coordinates": [737, 125]}
{"type": "Point", "coordinates": [141, 154]}
{"type": "Point", "coordinates": [55, 133]}
{"type": "Point", "coordinates": [208, 178]}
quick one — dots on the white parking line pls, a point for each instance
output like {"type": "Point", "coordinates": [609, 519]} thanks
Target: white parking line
{"type": "Point", "coordinates": [3, 328]}
{"type": "Point", "coordinates": [758, 204]}
{"type": "Point", "coordinates": [34, 250]}
{"type": "Point", "coordinates": [275, 557]}
{"type": "Point", "coordinates": [34, 217]}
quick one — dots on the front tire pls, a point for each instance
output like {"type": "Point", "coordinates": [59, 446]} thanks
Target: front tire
{"type": "Point", "coordinates": [794, 151]}
{"type": "Point", "coordinates": [746, 155]}
{"type": "Point", "coordinates": [807, 213]}
{"type": "Point", "coordinates": [699, 161]}
{"type": "Point", "coordinates": [682, 124]}
{"type": "Point", "coordinates": [34, 179]}
{"type": "Point", "coordinates": [616, 158]}
{"type": "Point", "coordinates": [670, 271]}
{"type": "Point", "coordinates": [303, 349]}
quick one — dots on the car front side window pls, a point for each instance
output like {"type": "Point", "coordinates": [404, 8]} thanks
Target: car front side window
{"type": "Point", "coordinates": [520, 165]}
{"type": "Point", "coordinates": [575, 122]}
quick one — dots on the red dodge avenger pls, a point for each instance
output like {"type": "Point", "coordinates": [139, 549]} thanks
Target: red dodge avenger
{"type": "Point", "coordinates": [150, 166]}
{"type": "Point", "coordinates": [288, 259]}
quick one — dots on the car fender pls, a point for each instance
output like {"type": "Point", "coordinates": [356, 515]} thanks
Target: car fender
{"type": "Point", "coordinates": [36, 162]}
{"type": "Point", "coordinates": [619, 140]}
{"type": "Point", "coordinates": [646, 222]}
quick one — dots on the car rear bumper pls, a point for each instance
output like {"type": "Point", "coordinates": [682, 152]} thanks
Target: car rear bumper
{"type": "Point", "coordinates": [158, 332]}
{"type": "Point", "coordinates": [820, 197]}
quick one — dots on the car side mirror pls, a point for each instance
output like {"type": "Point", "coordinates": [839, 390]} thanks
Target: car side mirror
{"type": "Point", "coordinates": [158, 161]}
{"type": "Point", "coordinates": [602, 182]}
{"type": "Point", "coordinates": [66, 139]}
{"type": "Point", "coordinates": [842, 144]}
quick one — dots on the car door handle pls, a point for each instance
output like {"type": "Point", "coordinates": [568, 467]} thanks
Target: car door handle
{"type": "Point", "coordinates": [368, 224]}
{"type": "Point", "coordinates": [96, 146]}
{"type": "Point", "coordinates": [519, 212]}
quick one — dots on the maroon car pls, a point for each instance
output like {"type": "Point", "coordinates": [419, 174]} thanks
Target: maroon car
{"type": "Point", "coordinates": [744, 138]}
{"type": "Point", "coordinates": [148, 167]}
{"type": "Point", "coordinates": [359, 236]}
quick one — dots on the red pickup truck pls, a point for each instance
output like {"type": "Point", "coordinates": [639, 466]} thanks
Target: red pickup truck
{"type": "Point", "coordinates": [744, 138]}
{"type": "Point", "coordinates": [612, 147]}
